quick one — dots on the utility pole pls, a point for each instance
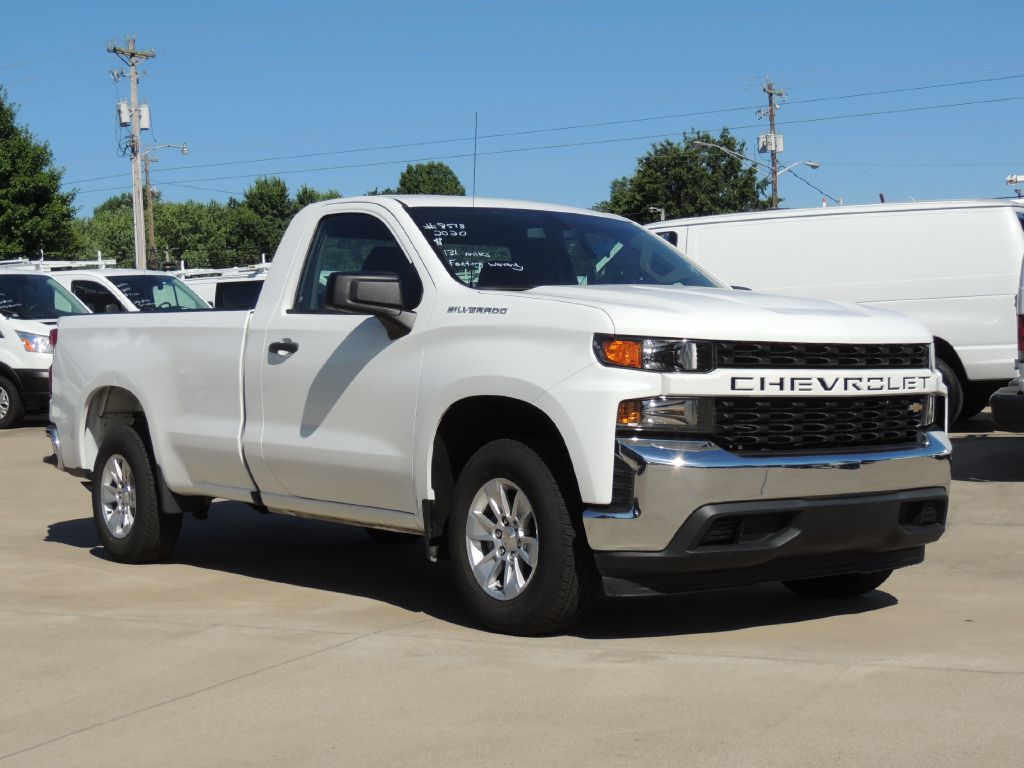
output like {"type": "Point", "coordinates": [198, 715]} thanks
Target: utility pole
{"type": "Point", "coordinates": [131, 57]}
{"type": "Point", "coordinates": [151, 233]}
{"type": "Point", "coordinates": [772, 141]}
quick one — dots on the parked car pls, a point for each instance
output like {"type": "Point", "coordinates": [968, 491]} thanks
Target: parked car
{"type": "Point", "coordinates": [30, 305]}
{"type": "Point", "coordinates": [952, 265]}
{"type": "Point", "coordinates": [554, 398]}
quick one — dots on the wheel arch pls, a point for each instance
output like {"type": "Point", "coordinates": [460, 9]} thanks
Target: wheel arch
{"type": "Point", "coordinates": [9, 373]}
{"type": "Point", "coordinates": [105, 408]}
{"type": "Point", "coordinates": [945, 351]}
{"type": "Point", "coordinates": [111, 406]}
{"type": "Point", "coordinates": [474, 421]}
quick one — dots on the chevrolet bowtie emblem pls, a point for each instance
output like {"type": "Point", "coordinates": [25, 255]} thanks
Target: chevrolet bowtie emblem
{"type": "Point", "coordinates": [916, 407]}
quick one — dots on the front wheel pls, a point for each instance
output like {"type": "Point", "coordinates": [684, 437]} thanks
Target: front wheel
{"type": "Point", "coordinates": [125, 503]}
{"type": "Point", "coordinates": [521, 564]}
{"type": "Point", "coordinates": [843, 585]}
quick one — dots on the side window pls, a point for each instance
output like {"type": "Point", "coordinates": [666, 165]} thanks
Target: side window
{"type": "Point", "coordinates": [353, 242]}
{"type": "Point", "coordinates": [97, 298]}
{"type": "Point", "coordinates": [671, 235]}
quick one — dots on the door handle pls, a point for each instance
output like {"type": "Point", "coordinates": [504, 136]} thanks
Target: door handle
{"type": "Point", "coordinates": [283, 347]}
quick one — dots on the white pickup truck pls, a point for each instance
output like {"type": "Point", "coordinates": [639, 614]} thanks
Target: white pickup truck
{"type": "Point", "coordinates": [555, 399]}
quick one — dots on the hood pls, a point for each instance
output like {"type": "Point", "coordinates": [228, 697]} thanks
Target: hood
{"type": "Point", "coordinates": [719, 313]}
{"type": "Point", "coordinates": [39, 327]}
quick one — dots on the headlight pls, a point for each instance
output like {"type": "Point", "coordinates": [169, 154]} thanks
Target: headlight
{"type": "Point", "coordinates": [35, 343]}
{"type": "Point", "coordinates": [658, 355]}
{"type": "Point", "coordinates": [666, 414]}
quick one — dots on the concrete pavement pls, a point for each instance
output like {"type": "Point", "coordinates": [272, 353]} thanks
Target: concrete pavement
{"type": "Point", "coordinates": [278, 641]}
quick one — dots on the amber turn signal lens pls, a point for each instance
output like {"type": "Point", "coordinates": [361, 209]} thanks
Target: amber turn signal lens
{"type": "Point", "coordinates": [627, 353]}
{"type": "Point", "coordinates": [630, 412]}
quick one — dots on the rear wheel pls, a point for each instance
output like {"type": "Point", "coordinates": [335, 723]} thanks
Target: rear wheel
{"type": "Point", "coordinates": [843, 585]}
{"type": "Point", "coordinates": [125, 503]}
{"type": "Point", "coordinates": [520, 563]}
{"type": "Point", "coordinates": [12, 407]}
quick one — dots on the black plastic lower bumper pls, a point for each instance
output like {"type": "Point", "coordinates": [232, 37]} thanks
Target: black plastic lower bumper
{"type": "Point", "coordinates": [736, 544]}
{"type": "Point", "coordinates": [1008, 409]}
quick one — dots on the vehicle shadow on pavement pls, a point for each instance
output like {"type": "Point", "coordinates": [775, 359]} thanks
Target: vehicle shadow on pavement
{"type": "Point", "coordinates": [724, 610]}
{"type": "Point", "coordinates": [988, 459]}
{"type": "Point", "coordinates": [326, 556]}
{"type": "Point", "coordinates": [312, 554]}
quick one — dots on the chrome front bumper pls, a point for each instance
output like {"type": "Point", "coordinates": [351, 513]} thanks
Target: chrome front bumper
{"type": "Point", "coordinates": [674, 478]}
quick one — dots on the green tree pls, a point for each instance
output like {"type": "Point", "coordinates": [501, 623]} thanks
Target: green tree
{"type": "Point", "coordinates": [109, 231]}
{"type": "Point", "coordinates": [686, 179]}
{"type": "Point", "coordinates": [256, 223]}
{"type": "Point", "coordinates": [192, 231]}
{"type": "Point", "coordinates": [306, 195]}
{"type": "Point", "coordinates": [34, 213]}
{"type": "Point", "coordinates": [428, 179]}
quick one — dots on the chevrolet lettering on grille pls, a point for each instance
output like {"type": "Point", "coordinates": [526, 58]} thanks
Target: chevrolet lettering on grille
{"type": "Point", "coordinates": [827, 384]}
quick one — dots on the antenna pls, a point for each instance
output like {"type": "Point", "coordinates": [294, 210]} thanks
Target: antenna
{"type": "Point", "coordinates": [476, 127]}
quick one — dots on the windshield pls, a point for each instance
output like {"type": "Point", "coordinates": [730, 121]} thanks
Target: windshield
{"type": "Point", "coordinates": [37, 297]}
{"type": "Point", "coordinates": [154, 292]}
{"type": "Point", "coordinates": [517, 249]}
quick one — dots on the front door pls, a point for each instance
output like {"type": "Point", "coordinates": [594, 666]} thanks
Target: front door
{"type": "Point", "coordinates": [337, 396]}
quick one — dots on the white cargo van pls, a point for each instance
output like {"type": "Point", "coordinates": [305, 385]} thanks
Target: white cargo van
{"type": "Point", "coordinates": [30, 305]}
{"type": "Point", "coordinates": [1008, 402]}
{"type": "Point", "coordinates": [953, 265]}
{"type": "Point", "coordinates": [129, 290]}
{"type": "Point", "coordinates": [103, 288]}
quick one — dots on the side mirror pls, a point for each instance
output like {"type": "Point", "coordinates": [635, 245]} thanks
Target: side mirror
{"type": "Point", "coordinates": [370, 293]}
{"type": "Point", "coordinates": [111, 308]}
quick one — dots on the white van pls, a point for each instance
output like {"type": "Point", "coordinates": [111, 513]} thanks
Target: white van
{"type": "Point", "coordinates": [228, 288]}
{"type": "Point", "coordinates": [129, 290]}
{"type": "Point", "coordinates": [29, 307]}
{"type": "Point", "coordinates": [1008, 402]}
{"type": "Point", "coordinates": [953, 265]}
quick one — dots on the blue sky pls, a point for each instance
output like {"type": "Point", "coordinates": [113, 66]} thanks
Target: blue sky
{"type": "Point", "coordinates": [242, 83]}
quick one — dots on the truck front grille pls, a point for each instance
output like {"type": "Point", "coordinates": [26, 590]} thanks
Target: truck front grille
{"type": "Point", "coordinates": [751, 424]}
{"type": "Point", "coordinates": [765, 354]}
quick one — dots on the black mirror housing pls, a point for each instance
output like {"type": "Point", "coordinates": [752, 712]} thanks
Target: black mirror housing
{"type": "Point", "coordinates": [366, 293]}
{"type": "Point", "coordinates": [370, 293]}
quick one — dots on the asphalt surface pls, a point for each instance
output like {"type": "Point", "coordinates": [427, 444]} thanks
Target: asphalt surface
{"type": "Point", "coordinates": [278, 641]}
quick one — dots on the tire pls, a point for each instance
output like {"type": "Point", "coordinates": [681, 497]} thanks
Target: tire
{"type": "Point", "coordinates": [843, 585]}
{"type": "Point", "coordinates": [976, 396]}
{"type": "Point", "coordinates": [12, 407]}
{"type": "Point", "coordinates": [955, 397]}
{"type": "Point", "coordinates": [537, 573]}
{"type": "Point", "coordinates": [125, 503]}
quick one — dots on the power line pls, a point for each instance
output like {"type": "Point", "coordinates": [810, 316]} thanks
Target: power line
{"type": "Point", "coordinates": [610, 123]}
{"type": "Point", "coordinates": [568, 145]}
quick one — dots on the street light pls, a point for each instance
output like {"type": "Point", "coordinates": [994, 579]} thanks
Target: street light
{"type": "Point", "coordinates": [656, 209]}
{"type": "Point", "coordinates": [146, 160]}
{"type": "Point", "coordinates": [812, 164]}
{"type": "Point", "coordinates": [809, 163]}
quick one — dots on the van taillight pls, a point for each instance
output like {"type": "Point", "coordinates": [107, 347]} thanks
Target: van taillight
{"type": "Point", "coordinates": [1020, 340]}
{"type": "Point", "coordinates": [49, 372]}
